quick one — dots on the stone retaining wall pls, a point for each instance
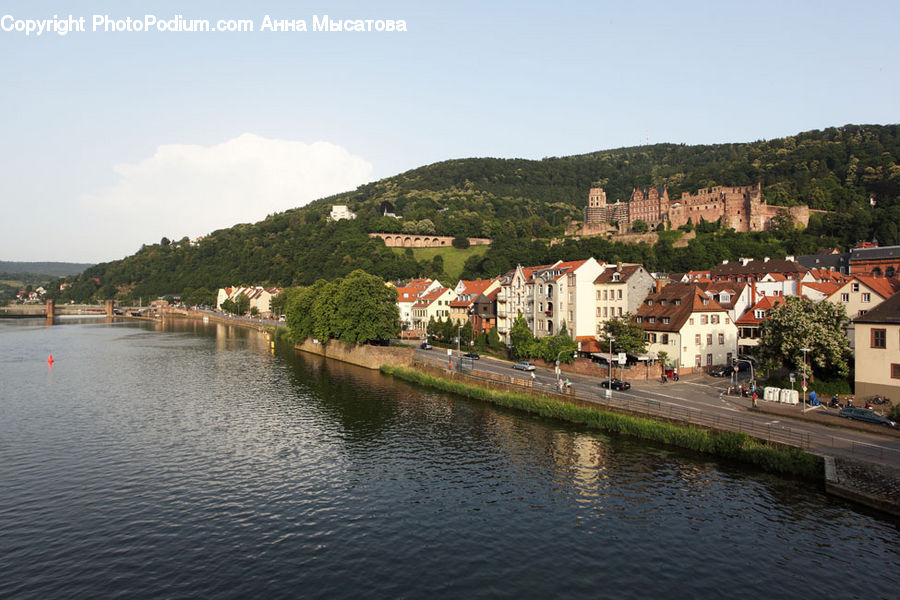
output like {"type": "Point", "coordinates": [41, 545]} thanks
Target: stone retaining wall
{"type": "Point", "coordinates": [370, 357]}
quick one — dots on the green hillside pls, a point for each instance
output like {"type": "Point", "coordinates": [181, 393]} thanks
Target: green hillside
{"type": "Point", "coordinates": [520, 204]}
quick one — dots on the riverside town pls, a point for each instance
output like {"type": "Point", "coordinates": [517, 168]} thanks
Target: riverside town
{"type": "Point", "coordinates": [473, 345]}
{"type": "Point", "coordinates": [628, 298]}
{"type": "Point", "coordinates": [450, 301]}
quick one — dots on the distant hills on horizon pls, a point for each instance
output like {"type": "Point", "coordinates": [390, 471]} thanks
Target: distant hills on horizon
{"type": "Point", "coordinates": [53, 269]}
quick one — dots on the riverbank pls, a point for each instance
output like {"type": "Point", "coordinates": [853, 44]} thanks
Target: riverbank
{"type": "Point", "coordinates": [770, 457]}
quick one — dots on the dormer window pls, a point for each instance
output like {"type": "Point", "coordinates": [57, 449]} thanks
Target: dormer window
{"type": "Point", "coordinates": [615, 277]}
{"type": "Point", "coordinates": [651, 319]}
{"type": "Point", "coordinates": [665, 320]}
{"type": "Point", "coordinates": [649, 302]}
{"type": "Point", "coordinates": [663, 302]}
{"type": "Point", "coordinates": [677, 301]}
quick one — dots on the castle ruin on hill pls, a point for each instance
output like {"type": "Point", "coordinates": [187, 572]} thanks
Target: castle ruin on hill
{"type": "Point", "coordinates": [734, 207]}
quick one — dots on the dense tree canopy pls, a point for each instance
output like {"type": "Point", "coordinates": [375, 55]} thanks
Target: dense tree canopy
{"type": "Point", "coordinates": [355, 309]}
{"type": "Point", "coordinates": [802, 323]}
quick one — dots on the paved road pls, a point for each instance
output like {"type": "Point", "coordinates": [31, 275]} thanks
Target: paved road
{"type": "Point", "coordinates": [701, 400]}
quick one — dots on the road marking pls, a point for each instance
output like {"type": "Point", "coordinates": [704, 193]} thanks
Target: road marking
{"type": "Point", "coordinates": [698, 384]}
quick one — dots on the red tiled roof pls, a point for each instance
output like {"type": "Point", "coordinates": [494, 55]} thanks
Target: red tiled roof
{"type": "Point", "coordinates": [407, 294]}
{"type": "Point", "coordinates": [476, 286]}
{"type": "Point", "coordinates": [624, 273]}
{"type": "Point", "coordinates": [765, 303]}
{"type": "Point", "coordinates": [882, 286]}
{"type": "Point", "coordinates": [663, 304]}
{"type": "Point", "coordinates": [430, 297]}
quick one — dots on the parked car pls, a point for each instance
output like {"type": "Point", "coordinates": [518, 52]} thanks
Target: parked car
{"type": "Point", "coordinates": [725, 371]}
{"type": "Point", "coordinates": [862, 414]}
{"type": "Point", "coordinates": [616, 384]}
{"type": "Point", "coordinates": [425, 346]}
{"type": "Point", "coordinates": [524, 365]}
{"type": "Point", "coordinates": [472, 355]}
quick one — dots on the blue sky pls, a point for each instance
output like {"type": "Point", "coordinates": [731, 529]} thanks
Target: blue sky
{"type": "Point", "coordinates": [111, 140]}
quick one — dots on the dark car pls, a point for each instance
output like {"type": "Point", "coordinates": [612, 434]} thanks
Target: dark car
{"type": "Point", "coordinates": [616, 384]}
{"type": "Point", "coordinates": [425, 346]}
{"type": "Point", "coordinates": [725, 371]}
{"type": "Point", "coordinates": [472, 355]}
{"type": "Point", "coordinates": [524, 366]}
{"type": "Point", "coordinates": [866, 415]}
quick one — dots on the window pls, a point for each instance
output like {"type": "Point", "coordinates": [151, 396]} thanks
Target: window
{"type": "Point", "coordinates": [855, 287]}
{"type": "Point", "coordinates": [692, 320]}
{"type": "Point", "coordinates": [639, 319]}
{"type": "Point", "coordinates": [697, 361]}
{"type": "Point", "coordinates": [665, 339]}
{"type": "Point", "coordinates": [759, 314]}
{"type": "Point", "coordinates": [598, 311]}
{"type": "Point", "coordinates": [697, 340]}
{"type": "Point", "coordinates": [879, 338]}
{"type": "Point", "coordinates": [598, 295]}
{"type": "Point", "coordinates": [709, 339]}
{"type": "Point", "coordinates": [845, 297]}
{"type": "Point", "coordinates": [703, 319]}
{"type": "Point", "coordinates": [867, 297]}
{"type": "Point", "coordinates": [665, 320]}
{"type": "Point", "coordinates": [651, 319]}
{"type": "Point", "coordinates": [620, 294]}
{"type": "Point", "coordinates": [620, 311]}
{"type": "Point", "coordinates": [895, 371]}
{"type": "Point", "coordinates": [677, 301]}
{"type": "Point", "coordinates": [604, 294]}
{"type": "Point", "coordinates": [604, 311]}
{"type": "Point", "coordinates": [652, 338]}
{"type": "Point", "coordinates": [709, 360]}
{"type": "Point", "coordinates": [721, 339]}
{"type": "Point", "coordinates": [714, 319]}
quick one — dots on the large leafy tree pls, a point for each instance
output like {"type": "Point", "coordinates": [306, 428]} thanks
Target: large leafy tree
{"type": "Point", "coordinates": [801, 323]}
{"type": "Point", "coordinates": [355, 310]}
{"type": "Point", "coordinates": [628, 336]}
{"type": "Point", "coordinates": [366, 309]}
{"type": "Point", "coordinates": [521, 338]}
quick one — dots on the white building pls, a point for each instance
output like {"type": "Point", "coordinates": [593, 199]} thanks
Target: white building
{"type": "Point", "coordinates": [340, 212]}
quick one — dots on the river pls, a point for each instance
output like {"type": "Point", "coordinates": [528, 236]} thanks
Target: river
{"type": "Point", "coordinates": [190, 461]}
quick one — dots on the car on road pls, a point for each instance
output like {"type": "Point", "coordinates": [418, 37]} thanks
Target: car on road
{"type": "Point", "coordinates": [616, 384]}
{"type": "Point", "coordinates": [472, 355]}
{"type": "Point", "coordinates": [524, 366]}
{"type": "Point", "coordinates": [425, 346]}
{"type": "Point", "coordinates": [866, 415]}
{"type": "Point", "coordinates": [725, 371]}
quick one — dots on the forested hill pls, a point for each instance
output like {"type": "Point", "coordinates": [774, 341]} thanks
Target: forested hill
{"type": "Point", "coordinates": [514, 201]}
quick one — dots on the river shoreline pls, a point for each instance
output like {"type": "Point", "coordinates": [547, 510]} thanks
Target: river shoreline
{"type": "Point", "coordinates": [853, 481]}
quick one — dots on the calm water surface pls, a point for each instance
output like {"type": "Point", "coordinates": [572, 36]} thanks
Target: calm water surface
{"type": "Point", "coordinates": [188, 461]}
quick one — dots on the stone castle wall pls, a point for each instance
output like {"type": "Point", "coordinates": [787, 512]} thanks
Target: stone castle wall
{"type": "Point", "coordinates": [410, 240]}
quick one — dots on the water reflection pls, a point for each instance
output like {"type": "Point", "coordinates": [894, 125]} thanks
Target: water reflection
{"type": "Point", "coordinates": [180, 459]}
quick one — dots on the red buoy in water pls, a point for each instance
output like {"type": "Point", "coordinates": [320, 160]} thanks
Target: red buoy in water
{"type": "Point", "coordinates": [50, 360]}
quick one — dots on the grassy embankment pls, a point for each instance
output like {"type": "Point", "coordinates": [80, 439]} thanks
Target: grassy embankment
{"type": "Point", "coordinates": [454, 258]}
{"type": "Point", "coordinates": [732, 445]}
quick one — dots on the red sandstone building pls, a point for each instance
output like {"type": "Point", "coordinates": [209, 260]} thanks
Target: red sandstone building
{"type": "Point", "coordinates": [734, 207]}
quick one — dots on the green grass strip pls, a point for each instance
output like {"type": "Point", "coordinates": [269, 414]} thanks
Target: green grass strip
{"type": "Point", "coordinates": [726, 444]}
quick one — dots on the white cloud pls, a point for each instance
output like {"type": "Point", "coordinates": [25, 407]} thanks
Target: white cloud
{"type": "Point", "coordinates": [192, 190]}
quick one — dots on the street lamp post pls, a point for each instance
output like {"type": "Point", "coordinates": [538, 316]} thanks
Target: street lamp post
{"type": "Point", "coordinates": [609, 381]}
{"type": "Point", "coordinates": [558, 354]}
{"type": "Point", "coordinates": [805, 382]}
{"type": "Point", "coordinates": [458, 338]}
